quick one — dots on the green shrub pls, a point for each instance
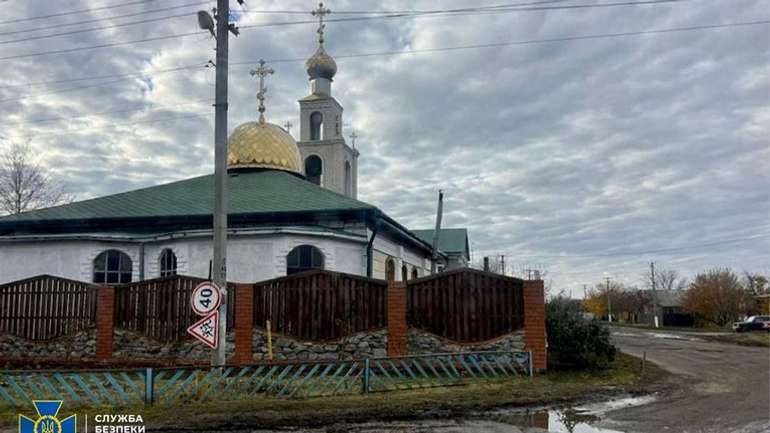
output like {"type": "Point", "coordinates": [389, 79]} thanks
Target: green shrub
{"type": "Point", "coordinates": [574, 342]}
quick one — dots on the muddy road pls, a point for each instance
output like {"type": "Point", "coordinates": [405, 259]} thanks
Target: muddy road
{"type": "Point", "coordinates": [716, 387]}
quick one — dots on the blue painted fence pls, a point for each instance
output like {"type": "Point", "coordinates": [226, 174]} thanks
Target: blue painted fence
{"type": "Point", "coordinates": [284, 380]}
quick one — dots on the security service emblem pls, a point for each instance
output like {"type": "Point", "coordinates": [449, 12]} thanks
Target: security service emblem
{"type": "Point", "coordinates": [47, 421]}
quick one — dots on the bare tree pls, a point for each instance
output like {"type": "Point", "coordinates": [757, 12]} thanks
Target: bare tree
{"type": "Point", "coordinates": [24, 184]}
{"type": "Point", "coordinates": [665, 279]}
{"type": "Point", "coordinates": [755, 283]}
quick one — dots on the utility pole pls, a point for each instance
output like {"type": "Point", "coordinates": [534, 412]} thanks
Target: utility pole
{"type": "Point", "coordinates": [436, 233]}
{"type": "Point", "coordinates": [220, 174]}
{"type": "Point", "coordinates": [654, 296]}
{"type": "Point", "coordinates": [486, 264]}
{"type": "Point", "coordinates": [609, 304]}
{"type": "Point", "coordinates": [502, 262]}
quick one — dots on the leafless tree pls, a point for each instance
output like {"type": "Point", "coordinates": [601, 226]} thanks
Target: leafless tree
{"type": "Point", "coordinates": [665, 279]}
{"type": "Point", "coordinates": [24, 184]}
{"type": "Point", "coordinates": [755, 283]}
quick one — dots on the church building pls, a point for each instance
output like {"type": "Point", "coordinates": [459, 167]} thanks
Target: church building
{"type": "Point", "coordinates": [293, 207]}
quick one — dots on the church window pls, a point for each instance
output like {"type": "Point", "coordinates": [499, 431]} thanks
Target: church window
{"type": "Point", "coordinates": [304, 258]}
{"type": "Point", "coordinates": [415, 274]}
{"type": "Point", "coordinates": [167, 263]}
{"type": "Point", "coordinates": [404, 273]}
{"type": "Point", "coordinates": [390, 269]}
{"type": "Point", "coordinates": [316, 125]}
{"type": "Point", "coordinates": [314, 169]}
{"type": "Point", "coordinates": [112, 267]}
{"type": "Point", "coordinates": [348, 180]}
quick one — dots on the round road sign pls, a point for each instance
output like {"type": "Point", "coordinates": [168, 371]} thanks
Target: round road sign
{"type": "Point", "coordinates": [205, 298]}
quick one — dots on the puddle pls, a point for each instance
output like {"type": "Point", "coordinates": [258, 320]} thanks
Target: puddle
{"type": "Point", "coordinates": [578, 419]}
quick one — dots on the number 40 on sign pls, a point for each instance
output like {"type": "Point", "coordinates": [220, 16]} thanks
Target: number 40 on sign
{"type": "Point", "coordinates": [205, 301]}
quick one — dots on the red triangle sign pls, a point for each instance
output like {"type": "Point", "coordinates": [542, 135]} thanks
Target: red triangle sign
{"type": "Point", "coordinates": [207, 330]}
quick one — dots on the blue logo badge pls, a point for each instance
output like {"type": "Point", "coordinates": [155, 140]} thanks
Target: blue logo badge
{"type": "Point", "coordinates": [46, 419]}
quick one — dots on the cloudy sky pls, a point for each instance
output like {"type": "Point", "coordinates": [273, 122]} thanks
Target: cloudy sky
{"type": "Point", "coordinates": [585, 158]}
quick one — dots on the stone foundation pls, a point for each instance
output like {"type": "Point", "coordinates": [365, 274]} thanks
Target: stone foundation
{"type": "Point", "coordinates": [371, 344]}
{"type": "Point", "coordinates": [76, 346]}
{"type": "Point", "coordinates": [132, 345]}
{"type": "Point", "coordinates": [425, 342]}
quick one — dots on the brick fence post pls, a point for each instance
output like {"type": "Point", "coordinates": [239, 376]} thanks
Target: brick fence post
{"type": "Point", "coordinates": [244, 323]}
{"type": "Point", "coordinates": [534, 322]}
{"type": "Point", "coordinates": [105, 322]}
{"type": "Point", "coordinates": [397, 329]}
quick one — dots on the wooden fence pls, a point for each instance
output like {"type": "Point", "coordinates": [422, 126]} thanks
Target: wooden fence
{"type": "Point", "coordinates": [466, 305]}
{"type": "Point", "coordinates": [160, 308]}
{"type": "Point", "coordinates": [46, 307]}
{"type": "Point", "coordinates": [320, 305]}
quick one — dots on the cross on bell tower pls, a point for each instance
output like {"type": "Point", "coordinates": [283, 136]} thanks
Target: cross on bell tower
{"type": "Point", "coordinates": [262, 71]}
{"type": "Point", "coordinates": [321, 12]}
{"type": "Point", "coordinates": [328, 160]}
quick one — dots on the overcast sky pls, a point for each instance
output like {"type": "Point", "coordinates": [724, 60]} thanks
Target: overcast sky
{"type": "Point", "coordinates": [586, 158]}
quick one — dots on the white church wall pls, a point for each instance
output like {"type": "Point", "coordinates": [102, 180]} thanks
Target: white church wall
{"type": "Point", "coordinates": [67, 259]}
{"type": "Point", "coordinates": [250, 258]}
{"type": "Point", "coordinates": [385, 247]}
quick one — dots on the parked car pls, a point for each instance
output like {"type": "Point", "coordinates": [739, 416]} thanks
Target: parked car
{"type": "Point", "coordinates": [753, 323]}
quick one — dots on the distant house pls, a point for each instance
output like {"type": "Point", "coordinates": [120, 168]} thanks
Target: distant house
{"type": "Point", "coordinates": [670, 308]}
{"type": "Point", "coordinates": [452, 242]}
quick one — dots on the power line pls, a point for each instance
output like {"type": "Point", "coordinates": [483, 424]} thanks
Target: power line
{"type": "Point", "coordinates": [286, 23]}
{"type": "Point", "coordinates": [402, 52]}
{"type": "Point", "coordinates": [96, 20]}
{"type": "Point", "coordinates": [155, 120]}
{"type": "Point", "coordinates": [647, 252]}
{"type": "Point", "coordinates": [80, 11]}
{"type": "Point", "coordinates": [129, 110]}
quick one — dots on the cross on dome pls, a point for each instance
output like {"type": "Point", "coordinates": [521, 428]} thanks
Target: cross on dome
{"type": "Point", "coordinates": [262, 71]}
{"type": "Point", "coordinates": [321, 12]}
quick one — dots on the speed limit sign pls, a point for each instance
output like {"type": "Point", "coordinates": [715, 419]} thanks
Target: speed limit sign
{"type": "Point", "coordinates": [205, 298]}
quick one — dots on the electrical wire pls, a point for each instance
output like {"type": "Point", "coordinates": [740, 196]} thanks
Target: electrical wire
{"type": "Point", "coordinates": [80, 11]}
{"type": "Point", "coordinates": [287, 23]}
{"type": "Point", "coordinates": [96, 20]}
{"type": "Point", "coordinates": [129, 110]}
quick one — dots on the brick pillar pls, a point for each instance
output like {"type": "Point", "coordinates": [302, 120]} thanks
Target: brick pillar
{"type": "Point", "coordinates": [534, 322]}
{"type": "Point", "coordinates": [397, 329]}
{"type": "Point", "coordinates": [244, 323]}
{"type": "Point", "coordinates": [105, 322]}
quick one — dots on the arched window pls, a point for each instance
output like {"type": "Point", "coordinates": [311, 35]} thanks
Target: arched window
{"type": "Point", "coordinates": [314, 169]}
{"type": "Point", "coordinates": [316, 125]}
{"type": "Point", "coordinates": [167, 263]}
{"type": "Point", "coordinates": [404, 273]}
{"type": "Point", "coordinates": [112, 267]}
{"type": "Point", "coordinates": [415, 274]}
{"type": "Point", "coordinates": [390, 270]}
{"type": "Point", "coordinates": [304, 258]}
{"type": "Point", "coordinates": [348, 180]}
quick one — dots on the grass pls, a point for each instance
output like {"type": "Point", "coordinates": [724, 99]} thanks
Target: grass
{"type": "Point", "coordinates": [755, 338]}
{"type": "Point", "coordinates": [268, 412]}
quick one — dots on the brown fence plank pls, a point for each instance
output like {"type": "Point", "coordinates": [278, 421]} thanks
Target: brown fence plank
{"type": "Point", "coordinates": [466, 305]}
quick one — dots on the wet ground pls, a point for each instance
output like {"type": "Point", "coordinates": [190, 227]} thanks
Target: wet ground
{"type": "Point", "coordinates": [716, 388]}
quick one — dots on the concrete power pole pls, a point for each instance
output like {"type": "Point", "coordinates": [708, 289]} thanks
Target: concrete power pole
{"type": "Point", "coordinates": [609, 304]}
{"type": "Point", "coordinates": [220, 174]}
{"type": "Point", "coordinates": [654, 296]}
{"type": "Point", "coordinates": [436, 233]}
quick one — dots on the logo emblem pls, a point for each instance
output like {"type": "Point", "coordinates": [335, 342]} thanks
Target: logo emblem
{"type": "Point", "coordinates": [46, 421]}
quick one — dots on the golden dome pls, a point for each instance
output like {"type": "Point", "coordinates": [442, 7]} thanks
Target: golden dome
{"type": "Point", "coordinates": [263, 145]}
{"type": "Point", "coordinates": [321, 65]}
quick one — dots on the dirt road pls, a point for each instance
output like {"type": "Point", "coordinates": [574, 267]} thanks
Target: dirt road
{"type": "Point", "coordinates": [722, 388]}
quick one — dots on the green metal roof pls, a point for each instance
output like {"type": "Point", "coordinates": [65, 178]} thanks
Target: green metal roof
{"type": "Point", "coordinates": [449, 241]}
{"type": "Point", "coordinates": [251, 192]}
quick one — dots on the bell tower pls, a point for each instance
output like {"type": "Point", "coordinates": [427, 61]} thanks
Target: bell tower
{"type": "Point", "coordinates": [327, 159]}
